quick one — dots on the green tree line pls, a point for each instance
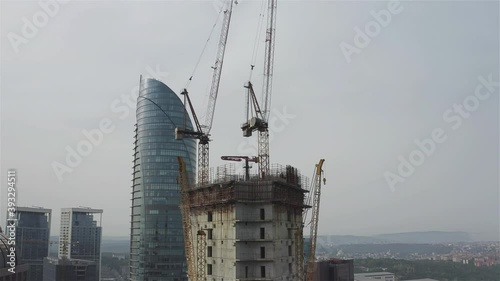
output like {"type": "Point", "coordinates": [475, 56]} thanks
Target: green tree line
{"type": "Point", "coordinates": [440, 270]}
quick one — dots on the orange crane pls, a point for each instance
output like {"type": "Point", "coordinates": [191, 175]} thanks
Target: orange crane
{"type": "Point", "coordinates": [315, 196]}
{"type": "Point", "coordinates": [202, 131]}
{"type": "Point", "coordinates": [256, 116]}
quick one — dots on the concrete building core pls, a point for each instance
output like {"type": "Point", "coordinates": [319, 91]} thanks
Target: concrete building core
{"type": "Point", "coordinates": [250, 225]}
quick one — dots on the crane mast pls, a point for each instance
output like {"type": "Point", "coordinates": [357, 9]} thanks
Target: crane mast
{"type": "Point", "coordinates": [201, 256]}
{"type": "Point", "coordinates": [219, 60]}
{"type": "Point", "coordinates": [316, 196]}
{"type": "Point", "coordinates": [299, 253]}
{"type": "Point", "coordinates": [186, 219]}
{"type": "Point", "coordinates": [259, 122]}
{"type": "Point", "coordinates": [203, 131]}
{"type": "Point", "coordinates": [269, 58]}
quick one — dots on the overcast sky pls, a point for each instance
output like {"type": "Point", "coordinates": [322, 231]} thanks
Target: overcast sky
{"type": "Point", "coordinates": [362, 111]}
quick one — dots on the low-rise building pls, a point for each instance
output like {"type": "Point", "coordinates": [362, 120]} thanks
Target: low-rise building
{"type": "Point", "coordinates": [375, 276]}
{"type": "Point", "coordinates": [334, 270]}
{"type": "Point", "coordinates": [64, 269]}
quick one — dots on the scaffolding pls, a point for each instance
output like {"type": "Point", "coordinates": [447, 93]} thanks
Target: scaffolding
{"type": "Point", "coordinates": [284, 185]}
{"type": "Point", "coordinates": [229, 172]}
{"type": "Point", "coordinates": [276, 202]}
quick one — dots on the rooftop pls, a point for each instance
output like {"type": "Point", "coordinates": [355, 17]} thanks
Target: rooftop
{"type": "Point", "coordinates": [82, 210]}
{"type": "Point", "coordinates": [425, 279]}
{"type": "Point", "coordinates": [371, 274]}
{"type": "Point", "coordinates": [69, 261]}
{"type": "Point", "coordinates": [283, 173]}
{"type": "Point", "coordinates": [33, 210]}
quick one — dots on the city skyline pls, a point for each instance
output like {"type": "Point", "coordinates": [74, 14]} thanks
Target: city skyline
{"type": "Point", "coordinates": [367, 114]}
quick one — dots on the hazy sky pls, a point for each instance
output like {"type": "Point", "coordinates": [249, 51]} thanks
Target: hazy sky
{"type": "Point", "coordinates": [362, 112]}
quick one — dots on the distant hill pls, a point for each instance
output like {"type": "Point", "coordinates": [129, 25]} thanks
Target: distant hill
{"type": "Point", "coordinates": [122, 244]}
{"type": "Point", "coordinates": [109, 244]}
{"type": "Point", "coordinates": [349, 239]}
{"type": "Point", "coordinates": [426, 237]}
{"type": "Point", "coordinates": [401, 249]}
{"type": "Point", "coordinates": [429, 237]}
{"type": "Point", "coordinates": [115, 246]}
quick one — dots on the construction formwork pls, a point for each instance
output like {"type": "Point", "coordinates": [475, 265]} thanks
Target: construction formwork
{"type": "Point", "coordinates": [250, 223]}
{"type": "Point", "coordinates": [284, 184]}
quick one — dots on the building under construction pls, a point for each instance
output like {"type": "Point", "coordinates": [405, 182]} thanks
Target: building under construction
{"type": "Point", "coordinates": [248, 224]}
{"type": "Point", "coordinates": [245, 227]}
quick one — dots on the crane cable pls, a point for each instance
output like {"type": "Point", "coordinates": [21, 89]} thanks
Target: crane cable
{"type": "Point", "coordinates": [204, 48]}
{"type": "Point", "coordinates": [256, 40]}
{"type": "Point", "coordinates": [249, 111]}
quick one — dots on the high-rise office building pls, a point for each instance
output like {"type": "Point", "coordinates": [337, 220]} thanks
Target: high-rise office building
{"type": "Point", "coordinates": [80, 235]}
{"type": "Point", "coordinates": [32, 238]}
{"type": "Point", "coordinates": [156, 237]}
{"type": "Point", "coordinates": [10, 267]}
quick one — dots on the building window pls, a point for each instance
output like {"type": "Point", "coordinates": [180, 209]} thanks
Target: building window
{"type": "Point", "coordinates": [210, 216]}
{"type": "Point", "coordinates": [210, 234]}
{"type": "Point", "coordinates": [289, 250]}
{"type": "Point", "coordinates": [246, 271]}
{"type": "Point", "coordinates": [262, 233]}
{"type": "Point", "coordinates": [209, 251]}
{"type": "Point", "coordinates": [262, 214]}
{"type": "Point", "coordinates": [209, 269]}
{"type": "Point", "coordinates": [262, 252]}
{"type": "Point", "coordinates": [290, 267]}
{"type": "Point", "coordinates": [263, 272]}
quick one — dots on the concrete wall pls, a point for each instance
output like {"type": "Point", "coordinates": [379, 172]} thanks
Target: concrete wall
{"type": "Point", "coordinates": [222, 242]}
{"type": "Point", "coordinates": [236, 240]}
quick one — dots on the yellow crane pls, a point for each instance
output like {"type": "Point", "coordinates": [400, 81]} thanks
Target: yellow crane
{"type": "Point", "coordinates": [315, 195]}
{"type": "Point", "coordinates": [186, 219]}
{"type": "Point", "coordinates": [195, 271]}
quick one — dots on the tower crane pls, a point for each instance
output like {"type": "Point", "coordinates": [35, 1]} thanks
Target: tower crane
{"type": "Point", "coordinates": [316, 196]}
{"type": "Point", "coordinates": [202, 131]}
{"type": "Point", "coordinates": [239, 159]}
{"type": "Point", "coordinates": [256, 116]}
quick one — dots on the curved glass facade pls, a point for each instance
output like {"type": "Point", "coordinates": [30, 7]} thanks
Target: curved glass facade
{"type": "Point", "coordinates": [157, 241]}
{"type": "Point", "coordinates": [4, 250]}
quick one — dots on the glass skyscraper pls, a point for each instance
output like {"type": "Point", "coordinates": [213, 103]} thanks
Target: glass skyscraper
{"type": "Point", "coordinates": [32, 238]}
{"type": "Point", "coordinates": [156, 238]}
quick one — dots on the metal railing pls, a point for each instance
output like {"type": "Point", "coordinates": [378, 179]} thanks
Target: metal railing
{"type": "Point", "coordinates": [286, 174]}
